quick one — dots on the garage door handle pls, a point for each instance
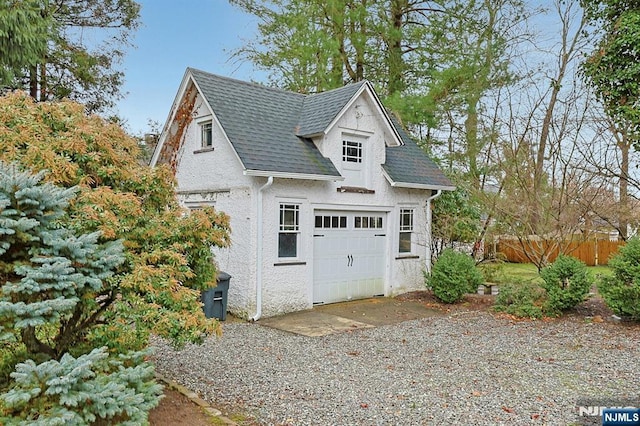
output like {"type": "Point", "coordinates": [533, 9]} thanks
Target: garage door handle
{"type": "Point", "coordinates": [318, 235]}
{"type": "Point", "coordinates": [349, 260]}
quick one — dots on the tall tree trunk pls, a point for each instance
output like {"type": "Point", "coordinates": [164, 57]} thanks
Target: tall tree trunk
{"type": "Point", "coordinates": [471, 139]}
{"type": "Point", "coordinates": [43, 81]}
{"type": "Point", "coordinates": [35, 346]}
{"type": "Point", "coordinates": [33, 82]}
{"type": "Point", "coordinates": [623, 209]}
{"type": "Point", "coordinates": [336, 17]}
{"type": "Point", "coordinates": [395, 64]}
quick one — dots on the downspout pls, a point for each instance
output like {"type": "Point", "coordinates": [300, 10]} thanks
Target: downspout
{"type": "Point", "coordinates": [428, 253]}
{"type": "Point", "coordinates": [258, 314]}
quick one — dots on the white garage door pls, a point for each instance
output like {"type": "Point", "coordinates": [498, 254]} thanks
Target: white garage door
{"type": "Point", "coordinates": [349, 255]}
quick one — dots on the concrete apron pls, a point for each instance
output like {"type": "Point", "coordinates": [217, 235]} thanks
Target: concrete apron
{"type": "Point", "coordinates": [346, 316]}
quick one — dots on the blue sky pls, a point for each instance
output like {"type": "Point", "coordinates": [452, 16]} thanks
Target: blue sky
{"type": "Point", "coordinates": [175, 35]}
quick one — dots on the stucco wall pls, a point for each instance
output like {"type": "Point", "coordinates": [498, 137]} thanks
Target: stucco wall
{"type": "Point", "coordinates": [214, 177]}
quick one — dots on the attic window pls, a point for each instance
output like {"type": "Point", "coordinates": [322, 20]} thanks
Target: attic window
{"type": "Point", "coordinates": [352, 151]}
{"type": "Point", "coordinates": [206, 134]}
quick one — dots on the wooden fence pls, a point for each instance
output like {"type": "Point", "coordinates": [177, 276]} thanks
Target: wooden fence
{"type": "Point", "coordinates": [594, 252]}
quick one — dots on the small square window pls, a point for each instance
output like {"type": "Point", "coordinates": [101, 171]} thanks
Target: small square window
{"type": "Point", "coordinates": [206, 131]}
{"type": "Point", "coordinates": [331, 222]}
{"type": "Point", "coordinates": [352, 152]}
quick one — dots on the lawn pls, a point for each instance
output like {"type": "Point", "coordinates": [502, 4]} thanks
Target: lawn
{"type": "Point", "coordinates": [506, 272]}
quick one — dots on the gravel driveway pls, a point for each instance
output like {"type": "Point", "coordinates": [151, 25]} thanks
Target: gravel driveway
{"type": "Point", "coordinates": [467, 368]}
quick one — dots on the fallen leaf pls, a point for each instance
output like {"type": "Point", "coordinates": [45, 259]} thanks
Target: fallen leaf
{"type": "Point", "coordinates": [364, 405]}
{"type": "Point", "coordinates": [508, 410]}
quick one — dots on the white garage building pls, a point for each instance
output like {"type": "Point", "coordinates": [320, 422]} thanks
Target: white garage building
{"type": "Point", "coordinates": [329, 198]}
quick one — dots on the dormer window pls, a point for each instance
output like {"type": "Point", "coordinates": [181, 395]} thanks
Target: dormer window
{"type": "Point", "coordinates": [352, 152]}
{"type": "Point", "coordinates": [206, 134]}
{"type": "Point", "coordinates": [355, 161]}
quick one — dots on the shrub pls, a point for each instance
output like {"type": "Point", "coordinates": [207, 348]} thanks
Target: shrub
{"type": "Point", "coordinates": [567, 283]}
{"type": "Point", "coordinates": [621, 291]}
{"type": "Point", "coordinates": [168, 257]}
{"type": "Point", "coordinates": [453, 275]}
{"type": "Point", "coordinates": [492, 271]}
{"type": "Point", "coordinates": [524, 299]}
{"type": "Point", "coordinates": [94, 388]}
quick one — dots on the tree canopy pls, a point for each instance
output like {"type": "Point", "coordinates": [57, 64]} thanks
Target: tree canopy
{"type": "Point", "coordinates": [613, 68]}
{"type": "Point", "coordinates": [24, 34]}
{"type": "Point", "coordinates": [67, 48]}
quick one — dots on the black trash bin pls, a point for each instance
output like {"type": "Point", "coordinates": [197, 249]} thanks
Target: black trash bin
{"type": "Point", "coordinates": [215, 299]}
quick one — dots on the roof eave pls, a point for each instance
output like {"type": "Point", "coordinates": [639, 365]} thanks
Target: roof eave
{"type": "Point", "coordinates": [379, 106]}
{"type": "Point", "coordinates": [172, 112]}
{"type": "Point", "coordinates": [288, 175]}
{"type": "Point", "coordinates": [414, 185]}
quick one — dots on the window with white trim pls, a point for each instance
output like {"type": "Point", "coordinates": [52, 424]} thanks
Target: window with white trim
{"type": "Point", "coordinates": [351, 151]}
{"type": "Point", "coordinates": [406, 230]}
{"type": "Point", "coordinates": [330, 221]}
{"type": "Point", "coordinates": [206, 134]}
{"type": "Point", "coordinates": [289, 231]}
{"type": "Point", "coordinates": [367, 222]}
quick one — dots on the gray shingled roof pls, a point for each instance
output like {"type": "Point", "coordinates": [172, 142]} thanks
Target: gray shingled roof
{"type": "Point", "coordinates": [319, 110]}
{"type": "Point", "coordinates": [260, 122]}
{"type": "Point", "coordinates": [269, 129]}
{"type": "Point", "coordinates": [409, 164]}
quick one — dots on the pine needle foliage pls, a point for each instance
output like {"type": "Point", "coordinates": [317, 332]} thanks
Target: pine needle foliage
{"type": "Point", "coordinates": [621, 291]}
{"type": "Point", "coordinates": [57, 284]}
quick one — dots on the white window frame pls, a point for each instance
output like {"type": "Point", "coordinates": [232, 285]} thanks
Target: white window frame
{"type": "Point", "coordinates": [352, 151]}
{"type": "Point", "coordinates": [206, 134]}
{"type": "Point", "coordinates": [285, 228]}
{"type": "Point", "coordinates": [368, 222]}
{"type": "Point", "coordinates": [330, 221]}
{"type": "Point", "coordinates": [406, 227]}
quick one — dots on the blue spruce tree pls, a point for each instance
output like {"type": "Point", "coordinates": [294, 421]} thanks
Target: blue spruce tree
{"type": "Point", "coordinates": [56, 290]}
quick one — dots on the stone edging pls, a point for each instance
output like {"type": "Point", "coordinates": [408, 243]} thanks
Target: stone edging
{"type": "Point", "coordinates": [208, 409]}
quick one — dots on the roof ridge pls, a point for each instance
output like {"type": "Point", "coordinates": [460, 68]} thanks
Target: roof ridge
{"type": "Point", "coordinates": [346, 86]}
{"type": "Point", "coordinates": [247, 83]}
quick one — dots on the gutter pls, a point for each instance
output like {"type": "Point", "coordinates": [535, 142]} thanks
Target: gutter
{"type": "Point", "coordinates": [428, 248]}
{"type": "Point", "coordinates": [259, 243]}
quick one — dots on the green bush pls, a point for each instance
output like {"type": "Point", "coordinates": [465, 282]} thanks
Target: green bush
{"type": "Point", "coordinates": [621, 291]}
{"type": "Point", "coordinates": [567, 283]}
{"type": "Point", "coordinates": [492, 271]}
{"type": "Point", "coordinates": [524, 299]}
{"type": "Point", "coordinates": [453, 275]}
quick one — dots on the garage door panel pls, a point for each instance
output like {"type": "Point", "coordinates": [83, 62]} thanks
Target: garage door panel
{"type": "Point", "coordinates": [349, 262]}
